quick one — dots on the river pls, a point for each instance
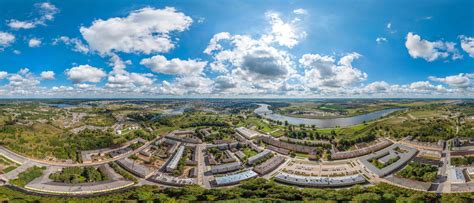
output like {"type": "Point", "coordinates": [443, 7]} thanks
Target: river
{"type": "Point", "coordinates": [263, 111]}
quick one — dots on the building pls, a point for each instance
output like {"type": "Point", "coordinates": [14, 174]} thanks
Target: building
{"type": "Point", "coordinates": [224, 168]}
{"type": "Point", "coordinates": [407, 183]}
{"type": "Point", "coordinates": [404, 158]}
{"type": "Point", "coordinates": [170, 180]}
{"type": "Point", "coordinates": [135, 168]}
{"type": "Point", "coordinates": [433, 146]}
{"type": "Point", "coordinates": [388, 157]}
{"type": "Point", "coordinates": [470, 171]}
{"type": "Point", "coordinates": [247, 133]}
{"type": "Point", "coordinates": [317, 181]}
{"type": "Point", "coordinates": [269, 165]}
{"type": "Point", "coordinates": [235, 178]}
{"type": "Point", "coordinates": [381, 143]}
{"type": "Point", "coordinates": [456, 176]}
{"type": "Point", "coordinates": [173, 163]}
{"type": "Point", "coordinates": [258, 157]}
{"type": "Point", "coordinates": [285, 145]}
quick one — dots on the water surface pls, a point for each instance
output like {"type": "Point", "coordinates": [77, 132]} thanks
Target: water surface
{"type": "Point", "coordinates": [263, 111]}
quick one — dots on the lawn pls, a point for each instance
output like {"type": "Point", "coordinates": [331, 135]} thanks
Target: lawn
{"type": "Point", "coordinates": [249, 152]}
{"type": "Point", "coordinates": [27, 176]}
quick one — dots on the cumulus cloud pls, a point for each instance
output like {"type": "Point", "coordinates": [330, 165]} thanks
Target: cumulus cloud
{"type": "Point", "coordinates": [187, 85]}
{"type": "Point", "coordinates": [426, 87]}
{"type": "Point", "coordinates": [22, 79]}
{"type": "Point", "coordinates": [467, 44]}
{"type": "Point", "coordinates": [46, 13]}
{"type": "Point", "coordinates": [284, 33]}
{"type": "Point", "coordinates": [176, 66]}
{"type": "Point", "coordinates": [264, 63]}
{"type": "Point", "coordinates": [146, 30]}
{"type": "Point", "coordinates": [47, 75]}
{"type": "Point", "coordinates": [251, 58]}
{"type": "Point", "coordinates": [430, 51]}
{"type": "Point", "coordinates": [390, 29]}
{"type": "Point", "coordinates": [300, 11]}
{"type": "Point", "coordinates": [322, 72]}
{"type": "Point", "coordinates": [75, 43]}
{"type": "Point", "coordinates": [381, 40]}
{"type": "Point", "coordinates": [462, 80]}
{"type": "Point", "coordinates": [6, 39]}
{"type": "Point", "coordinates": [125, 81]}
{"type": "Point", "coordinates": [34, 42]}
{"type": "Point", "coordinates": [85, 73]}
{"type": "Point", "coordinates": [3, 74]}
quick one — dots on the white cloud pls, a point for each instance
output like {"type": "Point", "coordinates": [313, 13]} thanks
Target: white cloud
{"type": "Point", "coordinates": [76, 44]}
{"type": "Point", "coordinates": [3, 74]}
{"type": "Point", "coordinates": [85, 73]}
{"type": "Point", "coordinates": [430, 51]}
{"type": "Point", "coordinates": [462, 80]}
{"type": "Point", "coordinates": [17, 52]}
{"type": "Point", "coordinates": [6, 39]}
{"type": "Point", "coordinates": [22, 79]}
{"type": "Point", "coordinates": [45, 10]}
{"type": "Point", "coordinates": [187, 85]}
{"type": "Point", "coordinates": [467, 44]}
{"type": "Point", "coordinates": [322, 72]}
{"type": "Point", "coordinates": [160, 64]}
{"type": "Point", "coordinates": [284, 33]}
{"type": "Point", "coordinates": [249, 58]}
{"type": "Point", "coordinates": [377, 87]}
{"type": "Point", "coordinates": [145, 30]}
{"type": "Point", "coordinates": [300, 11]}
{"type": "Point", "coordinates": [214, 42]}
{"type": "Point", "coordinates": [381, 40]}
{"type": "Point", "coordinates": [47, 75]}
{"type": "Point", "coordinates": [124, 81]}
{"type": "Point", "coordinates": [34, 42]}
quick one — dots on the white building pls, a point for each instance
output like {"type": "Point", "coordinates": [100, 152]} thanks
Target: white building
{"type": "Point", "coordinates": [456, 176]}
{"type": "Point", "coordinates": [470, 171]}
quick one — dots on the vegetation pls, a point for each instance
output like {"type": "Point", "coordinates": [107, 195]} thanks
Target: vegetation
{"type": "Point", "coordinates": [462, 161]}
{"type": "Point", "coordinates": [76, 175]}
{"type": "Point", "coordinates": [380, 165]}
{"type": "Point", "coordinates": [420, 172]}
{"type": "Point", "coordinates": [255, 190]}
{"type": "Point", "coordinates": [27, 176]}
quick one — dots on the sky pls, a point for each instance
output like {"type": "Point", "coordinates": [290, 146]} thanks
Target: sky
{"type": "Point", "coordinates": [236, 49]}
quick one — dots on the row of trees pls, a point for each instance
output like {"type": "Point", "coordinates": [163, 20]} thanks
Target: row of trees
{"type": "Point", "coordinates": [420, 172]}
{"type": "Point", "coordinates": [255, 190]}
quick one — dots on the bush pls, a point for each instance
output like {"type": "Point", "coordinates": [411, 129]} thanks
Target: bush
{"type": "Point", "coordinates": [27, 176]}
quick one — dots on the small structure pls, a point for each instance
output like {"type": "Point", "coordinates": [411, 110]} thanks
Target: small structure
{"type": "Point", "coordinates": [456, 176]}
{"type": "Point", "coordinates": [470, 171]}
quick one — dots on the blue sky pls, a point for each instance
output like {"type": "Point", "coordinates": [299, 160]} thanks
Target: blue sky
{"type": "Point", "coordinates": [236, 49]}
